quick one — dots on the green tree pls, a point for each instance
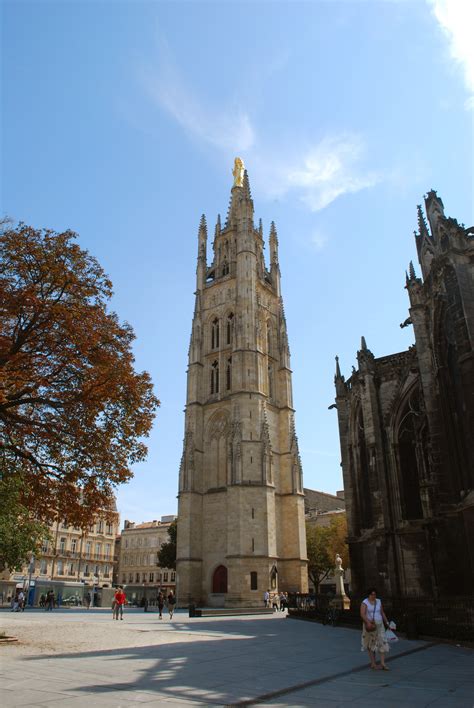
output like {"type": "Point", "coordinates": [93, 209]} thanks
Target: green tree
{"type": "Point", "coordinates": [167, 552]}
{"type": "Point", "coordinates": [20, 534]}
{"type": "Point", "coordinates": [323, 542]}
{"type": "Point", "coordinates": [73, 411]}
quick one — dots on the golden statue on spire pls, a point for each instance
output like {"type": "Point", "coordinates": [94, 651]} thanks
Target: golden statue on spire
{"type": "Point", "coordinates": [238, 172]}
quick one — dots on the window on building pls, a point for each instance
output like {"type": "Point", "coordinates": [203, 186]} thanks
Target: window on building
{"type": "Point", "coordinates": [225, 268]}
{"type": "Point", "coordinates": [173, 577]}
{"type": "Point", "coordinates": [215, 334]}
{"type": "Point", "coordinates": [97, 550]}
{"type": "Point", "coordinates": [215, 377]}
{"type": "Point", "coordinates": [130, 577]}
{"type": "Point", "coordinates": [71, 569]}
{"type": "Point", "coordinates": [100, 527]}
{"type": "Point", "coordinates": [124, 578]}
{"type": "Point", "coordinates": [137, 577]}
{"type": "Point", "coordinates": [144, 576]}
{"type": "Point", "coordinates": [106, 571]}
{"type": "Point", "coordinates": [139, 540]}
{"type": "Point", "coordinates": [59, 567]}
{"type": "Point", "coordinates": [253, 580]}
{"type": "Point", "coordinates": [44, 546]}
{"type": "Point", "coordinates": [43, 567]}
{"type": "Point", "coordinates": [158, 577]}
{"type": "Point", "coordinates": [270, 382]}
{"type": "Point", "coordinates": [86, 570]}
{"type": "Point", "coordinates": [151, 577]}
{"type": "Point", "coordinates": [74, 545]}
{"type": "Point", "coordinates": [165, 577]}
{"type": "Point", "coordinates": [109, 529]}
{"type": "Point", "coordinates": [88, 548]}
{"type": "Point", "coordinates": [62, 545]}
{"type": "Point", "coordinates": [229, 328]}
{"type": "Point", "coordinates": [228, 376]}
{"type": "Point", "coordinates": [107, 551]}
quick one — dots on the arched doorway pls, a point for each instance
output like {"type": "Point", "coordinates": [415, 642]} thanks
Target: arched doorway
{"type": "Point", "coordinates": [219, 580]}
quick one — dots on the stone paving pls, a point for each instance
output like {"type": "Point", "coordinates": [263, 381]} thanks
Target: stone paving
{"type": "Point", "coordinates": [268, 660]}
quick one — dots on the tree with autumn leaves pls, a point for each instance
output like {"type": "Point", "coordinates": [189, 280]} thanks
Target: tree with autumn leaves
{"type": "Point", "coordinates": [73, 410]}
{"type": "Point", "coordinates": [323, 543]}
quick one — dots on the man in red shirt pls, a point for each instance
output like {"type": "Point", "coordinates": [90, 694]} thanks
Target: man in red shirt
{"type": "Point", "coordinates": [120, 600]}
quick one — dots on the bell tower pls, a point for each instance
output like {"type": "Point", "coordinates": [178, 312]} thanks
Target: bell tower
{"type": "Point", "coordinates": [241, 526]}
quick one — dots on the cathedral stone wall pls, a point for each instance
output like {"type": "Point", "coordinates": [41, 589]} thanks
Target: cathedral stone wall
{"type": "Point", "coordinates": [405, 425]}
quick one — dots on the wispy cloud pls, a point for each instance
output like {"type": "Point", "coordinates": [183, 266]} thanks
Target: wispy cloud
{"type": "Point", "coordinates": [315, 174]}
{"type": "Point", "coordinates": [456, 18]}
{"type": "Point", "coordinates": [325, 171]}
{"type": "Point", "coordinates": [224, 127]}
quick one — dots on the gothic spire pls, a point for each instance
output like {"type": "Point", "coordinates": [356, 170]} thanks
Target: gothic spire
{"type": "Point", "coordinates": [202, 254]}
{"type": "Point", "coordinates": [273, 244]}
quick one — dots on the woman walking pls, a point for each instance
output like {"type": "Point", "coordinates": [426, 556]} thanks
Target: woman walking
{"type": "Point", "coordinates": [373, 629]}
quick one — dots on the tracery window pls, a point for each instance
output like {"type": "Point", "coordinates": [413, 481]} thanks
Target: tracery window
{"type": "Point", "coordinates": [215, 378]}
{"type": "Point", "coordinates": [411, 456]}
{"type": "Point", "coordinates": [228, 376]}
{"type": "Point", "coordinates": [215, 334]}
{"type": "Point", "coordinates": [229, 328]}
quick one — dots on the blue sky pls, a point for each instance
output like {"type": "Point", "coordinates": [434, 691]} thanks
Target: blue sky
{"type": "Point", "coordinates": [122, 120]}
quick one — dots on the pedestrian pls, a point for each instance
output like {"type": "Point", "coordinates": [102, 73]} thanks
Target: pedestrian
{"type": "Point", "coordinates": [42, 600]}
{"type": "Point", "coordinates": [15, 602]}
{"type": "Point", "coordinates": [171, 603]}
{"type": "Point", "coordinates": [282, 601]}
{"type": "Point", "coordinates": [266, 598]}
{"type": "Point", "coordinates": [161, 603]}
{"type": "Point", "coordinates": [275, 601]}
{"type": "Point", "coordinates": [87, 599]}
{"type": "Point", "coordinates": [120, 600]}
{"type": "Point", "coordinates": [373, 629]}
{"type": "Point", "coordinates": [49, 601]}
{"type": "Point", "coordinates": [21, 601]}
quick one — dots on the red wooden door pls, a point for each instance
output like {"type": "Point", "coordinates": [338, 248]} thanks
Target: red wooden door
{"type": "Point", "coordinates": [219, 579]}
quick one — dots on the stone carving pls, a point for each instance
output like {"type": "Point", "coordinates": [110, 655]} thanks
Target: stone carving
{"type": "Point", "coordinates": [238, 172]}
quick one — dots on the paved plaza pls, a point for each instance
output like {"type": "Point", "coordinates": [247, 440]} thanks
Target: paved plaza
{"type": "Point", "coordinates": [77, 658]}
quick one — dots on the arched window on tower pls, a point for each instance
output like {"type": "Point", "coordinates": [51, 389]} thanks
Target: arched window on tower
{"type": "Point", "coordinates": [228, 376]}
{"type": "Point", "coordinates": [230, 328]}
{"type": "Point", "coordinates": [270, 381]}
{"type": "Point", "coordinates": [215, 377]}
{"type": "Point", "coordinates": [225, 268]}
{"type": "Point", "coordinates": [215, 334]}
{"type": "Point", "coordinates": [269, 339]}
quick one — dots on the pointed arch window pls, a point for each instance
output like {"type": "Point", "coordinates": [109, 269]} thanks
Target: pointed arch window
{"type": "Point", "coordinates": [225, 268]}
{"type": "Point", "coordinates": [270, 381]}
{"type": "Point", "coordinates": [229, 328]}
{"type": "Point", "coordinates": [269, 339]}
{"type": "Point", "coordinates": [215, 334]}
{"type": "Point", "coordinates": [411, 457]}
{"type": "Point", "coordinates": [215, 378]}
{"type": "Point", "coordinates": [228, 377]}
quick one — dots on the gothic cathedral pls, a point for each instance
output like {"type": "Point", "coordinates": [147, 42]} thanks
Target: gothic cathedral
{"type": "Point", "coordinates": [241, 527]}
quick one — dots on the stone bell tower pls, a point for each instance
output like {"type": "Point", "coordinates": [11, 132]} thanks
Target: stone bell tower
{"type": "Point", "coordinates": [241, 526]}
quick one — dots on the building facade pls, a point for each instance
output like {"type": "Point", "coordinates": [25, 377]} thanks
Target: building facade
{"type": "Point", "coordinates": [72, 555]}
{"type": "Point", "coordinates": [406, 425]}
{"type": "Point", "coordinates": [138, 567]}
{"type": "Point", "coordinates": [241, 524]}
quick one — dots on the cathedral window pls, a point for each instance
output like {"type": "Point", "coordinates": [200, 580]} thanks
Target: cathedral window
{"type": "Point", "coordinates": [225, 268]}
{"type": "Point", "coordinates": [253, 580]}
{"type": "Point", "coordinates": [215, 378]}
{"type": "Point", "coordinates": [363, 478]}
{"type": "Point", "coordinates": [269, 339]}
{"type": "Point", "coordinates": [215, 334]}
{"type": "Point", "coordinates": [270, 382]}
{"type": "Point", "coordinates": [229, 374]}
{"type": "Point", "coordinates": [411, 457]}
{"type": "Point", "coordinates": [229, 328]}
